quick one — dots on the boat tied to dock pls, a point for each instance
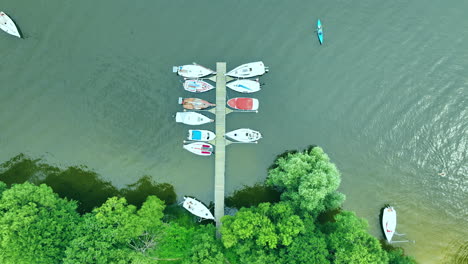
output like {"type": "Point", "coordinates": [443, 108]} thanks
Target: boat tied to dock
{"type": "Point", "coordinates": [197, 86]}
{"type": "Point", "coordinates": [192, 71]}
{"type": "Point", "coordinates": [248, 70]}
{"type": "Point", "coordinates": [192, 118]}
{"type": "Point", "coordinates": [244, 85]}
{"type": "Point", "coordinates": [194, 103]}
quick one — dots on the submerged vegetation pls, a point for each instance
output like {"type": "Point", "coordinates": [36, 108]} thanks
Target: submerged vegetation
{"type": "Point", "coordinates": [296, 218]}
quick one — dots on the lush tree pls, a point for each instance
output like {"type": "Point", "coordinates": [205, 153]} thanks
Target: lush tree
{"type": "Point", "coordinates": [3, 187]}
{"type": "Point", "coordinates": [35, 224]}
{"type": "Point", "coordinates": [206, 248]}
{"type": "Point", "coordinates": [349, 242]}
{"type": "Point", "coordinates": [308, 180]}
{"type": "Point", "coordinates": [396, 256]}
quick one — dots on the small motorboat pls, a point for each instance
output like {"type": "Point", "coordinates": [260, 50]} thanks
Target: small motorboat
{"type": "Point", "coordinates": [194, 103]}
{"type": "Point", "coordinates": [200, 148]}
{"type": "Point", "coordinates": [244, 86]}
{"type": "Point", "coordinates": [389, 222]}
{"type": "Point", "coordinates": [244, 135]}
{"type": "Point", "coordinates": [248, 70]}
{"type": "Point", "coordinates": [197, 86]}
{"type": "Point", "coordinates": [7, 25]}
{"type": "Point", "coordinates": [192, 71]}
{"type": "Point", "coordinates": [192, 118]}
{"type": "Point", "coordinates": [201, 135]}
{"type": "Point", "coordinates": [197, 208]}
{"type": "Point", "coordinates": [319, 31]}
{"type": "Point", "coordinates": [243, 103]}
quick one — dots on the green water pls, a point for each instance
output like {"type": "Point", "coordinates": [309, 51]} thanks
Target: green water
{"type": "Point", "coordinates": [385, 96]}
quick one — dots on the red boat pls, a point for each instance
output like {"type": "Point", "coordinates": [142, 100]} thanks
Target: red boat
{"type": "Point", "coordinates": [243, 103]}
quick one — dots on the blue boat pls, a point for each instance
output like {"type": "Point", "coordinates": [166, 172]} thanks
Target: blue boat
{"type": "Point", "coordinates": [319, 31]}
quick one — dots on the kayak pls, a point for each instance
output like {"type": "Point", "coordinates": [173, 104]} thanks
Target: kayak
{"type": "Point", "coordinates": [319, 31]}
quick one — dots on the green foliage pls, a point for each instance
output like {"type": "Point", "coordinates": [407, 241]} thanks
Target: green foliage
{"type": "Point", "coordinates": [308, 180]}
{"type": "Point", "coordinates": [349, 242]}
{"type": "Point", "coordinates": [252, 196]}
{"type": "Point", "coordinates": [3, 187]}
{"type": "Point", "coordinates": [35, 224]}
{"type": "Point", "coordinates": [206, 248]}
{"type": "Point", "coordinates": [136, 193]}
{"type": "Point", "coordinates": [396, 256]}
{"type": "Point", "coordinates": [175, 243]}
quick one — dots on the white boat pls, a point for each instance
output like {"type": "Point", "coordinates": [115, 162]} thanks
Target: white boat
{"type": "Point", "coordinates": [200, 148]}
{"type": "Point", "coordinates": [244, 135]}
{"type": "Point", "coordinates": [192, 71]}
{"type": "Point", "coordinates": [389, 222]}
{"type": "Point", "coordinates": [244, 86]}
{"type": "Point", "coordinates": [197, 86]}
{"type": "Point", "coordinates": [201, 135]}
{"type": "Point", "coordinates": [197, 208]}
{"type": "Point", "coordinates": [249, 70]}
{"type": "Point", "coordinates": [192, 118]}
{"type": "Point", "coordinates": [7, 25]}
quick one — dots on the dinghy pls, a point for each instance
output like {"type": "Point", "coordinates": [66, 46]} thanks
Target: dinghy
{"type": "Point", "coordinates": [199, 148]}
{"type": "Point", "coordinates": [192, 118]}
{"type": "Point", "coordinates": [194, 103]}
{"type": "Point", "coordinates": [243, 103]}
{"type": "Point", "coordinates": [192, 71]}
{"type": "Point", "coordinates": [248, 70]}
{"type": "Point", "coordinates": [197, 208]}
{"type": "Point", "coordinates": [244, 135]}
{"type": "Point", "coordinates": [389, 222]}
{"type": "Point", "coordinates": [319, 31]}
{"type": "Point", "coordinates": [244, 86]}
{"type": "Point", "coordinates": [7, 25]}
{"type": "Point", "coordinates": [197, 86]}
{"type": "Point", "coordinates": [201, 135]}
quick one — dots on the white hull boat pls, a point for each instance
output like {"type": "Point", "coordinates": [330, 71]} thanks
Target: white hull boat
{"type": "Point", "coordinates": [197, 208]}
{"type": "Point", "coordinates": [192, 71]}
{"type": "Point", "coordinates": [200, 148]}
{"type": "Point", "coordinates": [248, 70]}
{"type": "Point", "coordinates": [244, 86]}
{"type": "Point", "coordinates": [201, 135]}
{"type": "Point", "coordinates": [389, 222]}
{"type": "Point", "coordinates": [244, 135]}
{"type": "Point", "coordinates": [7, 25]}
{"type": "Point", "coordinates": [197, 86]}
{"type": "Point", "coordinates": [192, 118]}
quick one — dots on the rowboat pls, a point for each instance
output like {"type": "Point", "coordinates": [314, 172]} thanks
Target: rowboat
{"type": "Point", "coordinates": [244, 135]}
{"type": "Point", "coordinates": [243, 103]}
{"type": "Point", "coordinates": [192, 118]}
{"type": "Point", "coordinates": [389, 222]}
{"type": "Point", "coordinates": [192, 71]}
{"type": "Point", "coordinates": [7, 25]}
{"type": "Point", "coordinates": [319, 31]}
{"type": "Point", "coordinates": [244, 86]}
{"type": "Point", "coordinates": [248, 70]}
{"type": "Point", "coordinates": [201, 135]}
{"type": "Point", "coordinates": [194, 103]}
{"type": "Point", "coordinates": [197, 86]}
{"type": "Point", "coordinates": [199, 148]}
{"type": "Point", "coordinates": [197, 208]}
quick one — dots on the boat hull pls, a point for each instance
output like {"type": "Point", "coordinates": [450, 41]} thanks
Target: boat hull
{"type": "Point", "coordinates": [389, 222]}
{"type": "Point", "coordinates": [197, 208]}
{"type": "Point", "coordinates": [244, 135]}
{"type": "Point", "coordinates": [248, 70]}
{"type": "Point", "coordinates": [199, 148]}
{"type": "Point", "coordinates": [201, 135]}
{"type": "Point", "coordinates": [192, 118]}
{"type": "Point", "coordinates": [7, 25]}
{"type": "Point", "coordinates": [243, 103]}
{"type": "Point", "coordinates": [197, 86]}
{"type": "Point", "coordinates": [244, 86]}
{"type": "Point", "coordinates": [319, 31]}
{"type": "Point", "coordinates": [193, 71]}
{"type": "Point", "coordinates": [195, 104]}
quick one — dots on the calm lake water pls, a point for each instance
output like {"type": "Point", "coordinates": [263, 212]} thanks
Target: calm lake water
{"type": "Point", "coordinates": [385, 96]}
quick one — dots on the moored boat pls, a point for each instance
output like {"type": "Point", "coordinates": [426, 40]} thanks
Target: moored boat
{"type": "Point", "coordinates": [192, 71]}
{"type": "Point", "coordinates": [194, 103]}
{"type": "Point", "coordinates": [244, 135]}
{"type": "Point", "coordinates": [244, 86]}
{"type": "Point", "coordinates": [7, 25]}
{"type": "Point", "coordinates": [320, 31]}
{"type": "Point", "coordinates": [200, 135]}
{"type": "Point", "coordinates": [389, 222]}
{"type": "Point", "coordinates": [243, 103]}
{"type": "Point", "coordinates": [197, 86]}
{"type": "Point", "coordinates": [200, 148]}
{"type": "Point", "coordinates": [192, 118]}
{"type": "Point", "coordinates": [248, 70]}
{"type": "Point", "coordinates": [197, 208]}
